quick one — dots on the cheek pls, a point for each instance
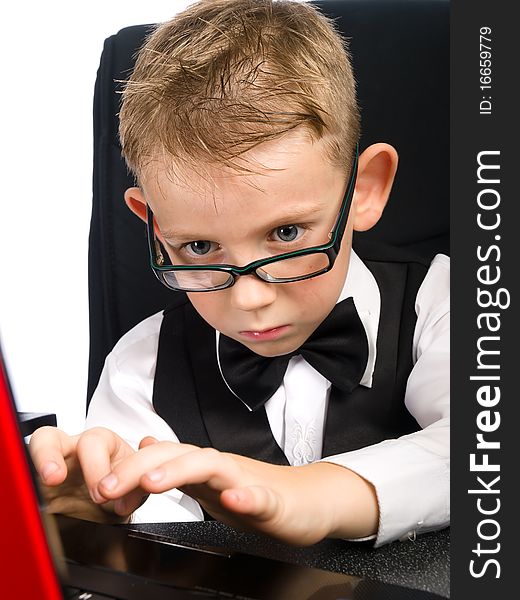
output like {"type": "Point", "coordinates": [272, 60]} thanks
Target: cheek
{"type": "Point", "coordinates": [327, 287]}
{"type": "Point", "coordinates": [209, 306]}
{"type": "Point", "coordinates": [319, 295]}
{"type": "Point", "coordinates": [315, 298]}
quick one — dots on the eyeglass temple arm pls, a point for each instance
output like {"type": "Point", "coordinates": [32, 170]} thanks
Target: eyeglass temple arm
{"type": "Point", "coordinates": [154, 246]}
{"type": "Point", "coordinates": [341, 223]}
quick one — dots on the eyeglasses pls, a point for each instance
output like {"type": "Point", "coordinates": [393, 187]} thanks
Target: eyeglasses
{"type": "Point", "coordinates": [281, 268]}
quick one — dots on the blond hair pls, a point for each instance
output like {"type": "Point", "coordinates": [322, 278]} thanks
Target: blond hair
{"type": "Point", "coordinates": [224, 76]}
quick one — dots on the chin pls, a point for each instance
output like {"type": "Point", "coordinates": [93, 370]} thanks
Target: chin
{"type": "Point", "coordinates": [270, 349]}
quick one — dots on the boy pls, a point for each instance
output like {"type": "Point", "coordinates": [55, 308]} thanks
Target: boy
{"type": "Point", "coordinates": [241, 126]}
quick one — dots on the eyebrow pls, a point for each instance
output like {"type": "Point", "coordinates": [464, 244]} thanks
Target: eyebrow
{"type": "Point", "coordinates": [296, 215]}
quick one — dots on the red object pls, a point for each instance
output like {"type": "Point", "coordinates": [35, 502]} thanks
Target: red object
{"type": "Point", "coordinates": [26, 564]}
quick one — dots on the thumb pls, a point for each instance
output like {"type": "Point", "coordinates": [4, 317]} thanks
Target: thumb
{"type": "Point", "coordinates": [256, 501]}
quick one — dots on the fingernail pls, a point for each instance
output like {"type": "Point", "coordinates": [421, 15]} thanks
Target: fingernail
{"type": "Point", "coordinates": [109, 482]}
{"type": "Point", "coordinates": [96, 496]}
{"type": "Point", "coordinates": [236, 497]}
{"type": "Point", "coordinates": [49, 469]}
{"type": "Point", "coordinates": [155, 475]}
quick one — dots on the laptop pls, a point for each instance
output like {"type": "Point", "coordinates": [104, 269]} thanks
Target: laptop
{"type": "Point", "coordinates": [54, 557]}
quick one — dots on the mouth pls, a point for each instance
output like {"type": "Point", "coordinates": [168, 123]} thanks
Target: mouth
{"type": "Point", "coordinates": [265, 334]}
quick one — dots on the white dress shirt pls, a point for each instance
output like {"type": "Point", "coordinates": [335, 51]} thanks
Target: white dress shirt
{"type": "Point", "coordinates": [410, 474]}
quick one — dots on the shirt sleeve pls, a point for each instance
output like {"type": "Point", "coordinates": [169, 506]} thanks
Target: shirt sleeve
{"type": "Point", "coordinates": [122, 403]}
{"type": "Point", "coordinates": [411, 474]}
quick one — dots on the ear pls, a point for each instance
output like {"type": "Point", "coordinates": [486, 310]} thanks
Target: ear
{"type": "Point", "coordinates": [136, 202]}
{"type": "Point", "coordinates": [376, 171]}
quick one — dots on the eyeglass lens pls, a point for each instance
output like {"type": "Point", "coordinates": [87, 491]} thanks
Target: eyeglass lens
{"type": "Point", "coordinates": [279, 271]}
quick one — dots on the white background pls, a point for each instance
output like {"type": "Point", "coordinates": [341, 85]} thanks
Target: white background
{"type": "Point", "coordinates": [50, 53]}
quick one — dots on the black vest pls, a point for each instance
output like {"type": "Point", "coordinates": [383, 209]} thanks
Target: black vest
{"type": "Point", "coordinates": [191, 396]}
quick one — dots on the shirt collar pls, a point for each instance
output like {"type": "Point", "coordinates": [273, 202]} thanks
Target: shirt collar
{"type": "Point", "coordinates": [362, 286]}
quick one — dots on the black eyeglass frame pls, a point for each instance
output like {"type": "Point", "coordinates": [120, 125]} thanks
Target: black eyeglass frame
{"type": "Point", "coordinates": [331, 249]}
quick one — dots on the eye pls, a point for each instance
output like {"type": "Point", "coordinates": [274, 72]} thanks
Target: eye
{"type": "Point", "coordinates": [200, 247]}
{"type": "Point", "coordinates": [287, 233]}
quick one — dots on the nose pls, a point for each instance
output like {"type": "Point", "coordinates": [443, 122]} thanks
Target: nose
{"type": "Point", "coordinates": [250, 293]}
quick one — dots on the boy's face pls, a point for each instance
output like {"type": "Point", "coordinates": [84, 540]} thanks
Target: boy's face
{"type": "Point", "coordinates": [237, 219]}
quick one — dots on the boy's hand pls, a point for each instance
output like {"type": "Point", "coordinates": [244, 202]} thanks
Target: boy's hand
{"type": "Point", "coordinates": [299, 505]}
{"type": "Point", "coordinates": [70, 468]}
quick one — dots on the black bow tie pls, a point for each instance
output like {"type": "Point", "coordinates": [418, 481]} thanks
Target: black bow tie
{"type": "Point", "coordinates": [338, 349]}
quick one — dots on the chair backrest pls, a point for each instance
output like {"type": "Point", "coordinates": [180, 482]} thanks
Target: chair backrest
{"type": "Point", "coordinates": [400, 52]}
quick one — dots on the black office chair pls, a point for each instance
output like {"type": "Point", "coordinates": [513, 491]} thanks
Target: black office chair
{"type": "Point", "coordinates": [401, 59]}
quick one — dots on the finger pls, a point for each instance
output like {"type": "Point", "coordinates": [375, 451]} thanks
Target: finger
{"type": "Point", "coordinates": [125, 476]}
{"type": "Point", "coordinates": [49, 447]}
{"type": "Point", "coordinates": [258, 502]}
{"type": "Point", "coordinates": [201, 466]}
{"type": "Point", "coordinates": [147, 441]}
{"type": "Point", "coordinates": [97, 448]}
{"type": "Point", "coordinates": [127, 504]}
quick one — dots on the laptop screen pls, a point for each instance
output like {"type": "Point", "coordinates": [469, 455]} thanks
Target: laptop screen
{"type": "Point", "coordinates": [27, 562]}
